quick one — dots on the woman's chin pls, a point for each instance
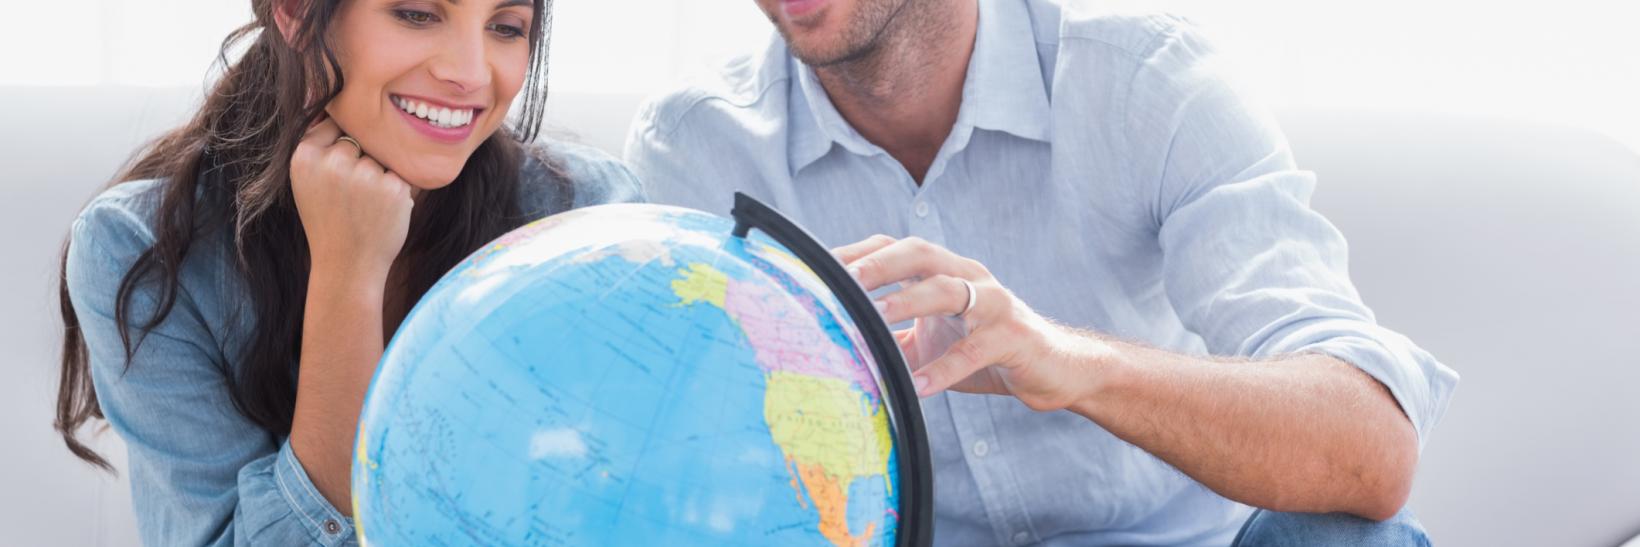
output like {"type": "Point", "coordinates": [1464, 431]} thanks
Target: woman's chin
{"type": "Point", "coordinates": [429, 183]}
{"type": "Point", "coordinates": [428, 178]}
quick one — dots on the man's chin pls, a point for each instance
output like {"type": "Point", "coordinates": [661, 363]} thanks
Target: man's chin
{"type": "Point", "coordinates": [824, 43]}
{"type": "Point", "coordinates": [817, 52]}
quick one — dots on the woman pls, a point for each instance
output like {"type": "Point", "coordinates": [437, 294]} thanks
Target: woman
{"type": "Point", "coordinates": [224, 307]}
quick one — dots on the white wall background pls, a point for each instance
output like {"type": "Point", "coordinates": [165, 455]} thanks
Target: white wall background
{"type": "Point", "coordinates": [1567, 61]}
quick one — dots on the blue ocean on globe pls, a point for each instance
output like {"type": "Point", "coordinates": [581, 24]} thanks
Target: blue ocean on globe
{"type": "Point", "coordinates": [630, 375]}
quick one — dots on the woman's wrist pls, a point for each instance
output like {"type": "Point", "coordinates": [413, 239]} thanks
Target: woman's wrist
{"type": "Point", "coordinates": [341, 277]}
{"type": "Point", "coordinates": [341, 342]}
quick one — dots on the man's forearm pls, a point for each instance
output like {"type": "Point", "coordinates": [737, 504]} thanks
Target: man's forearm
{"type": "Point", "coordinates": [1305, 433]}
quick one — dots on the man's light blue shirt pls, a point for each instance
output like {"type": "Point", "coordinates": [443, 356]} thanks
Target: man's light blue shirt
{"type": "Point", "coordinates": [1104, 168]}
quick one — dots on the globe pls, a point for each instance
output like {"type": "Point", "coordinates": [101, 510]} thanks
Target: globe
{"type": "Point", "coordinates": [630, 375]}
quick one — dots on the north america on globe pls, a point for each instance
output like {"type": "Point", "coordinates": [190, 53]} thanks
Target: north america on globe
{"type": "Point", "coordinates": [627, 374]}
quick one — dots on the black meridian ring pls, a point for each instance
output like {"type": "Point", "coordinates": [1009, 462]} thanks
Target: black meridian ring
{"type": "Point", "coordinates": [916, 509]}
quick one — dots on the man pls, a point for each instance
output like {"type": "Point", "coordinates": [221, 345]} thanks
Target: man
{"type": "Point", "coordinates": [1083, 215]}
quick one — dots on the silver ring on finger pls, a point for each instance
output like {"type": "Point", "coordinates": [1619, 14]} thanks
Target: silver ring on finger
{"type": "Point", "coordinates": [350, 140]}
{"type": "Point", "coordinates": [971, 294]}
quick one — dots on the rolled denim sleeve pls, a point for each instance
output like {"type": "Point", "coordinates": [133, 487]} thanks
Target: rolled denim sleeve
{"type": "Point", "coordinates": [600, 178]}
{"type": "Point", "coordinates": [1249, 266]}
{"type": "Point", "coordinates": [201, 473]}
{"type": "Point", "coordinates": [564, 175]}
{"type": "Point", "coordinates": [276, 492]}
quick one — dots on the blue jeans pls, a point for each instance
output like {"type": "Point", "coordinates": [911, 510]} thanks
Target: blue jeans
{"type": "Point", "coordinates": [1271, 529]}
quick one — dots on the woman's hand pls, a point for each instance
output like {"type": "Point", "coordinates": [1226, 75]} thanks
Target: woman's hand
{"type": "Point", "coordinates": [999, 346]}
{"type": "Point", "coordinates": [355, 213]}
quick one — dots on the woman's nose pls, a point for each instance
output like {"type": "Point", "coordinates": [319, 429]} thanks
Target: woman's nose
{"type": "Point", "coordinates": [461, 62]}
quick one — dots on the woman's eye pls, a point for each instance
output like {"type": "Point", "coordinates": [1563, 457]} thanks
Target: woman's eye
{"type": "Point", "coordinates": [507, 31]}
{"type": "Point", "coordinates": [415, 17]}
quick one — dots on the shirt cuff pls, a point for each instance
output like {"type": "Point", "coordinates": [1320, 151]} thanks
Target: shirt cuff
{"type": "Point", "coordinates": [1421, 385]}
{"type": "Point", "coordinates": [327, 525]}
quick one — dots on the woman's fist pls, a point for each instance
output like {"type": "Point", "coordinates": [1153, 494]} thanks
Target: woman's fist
{"type": "Point", "coordinates": [355, 213]}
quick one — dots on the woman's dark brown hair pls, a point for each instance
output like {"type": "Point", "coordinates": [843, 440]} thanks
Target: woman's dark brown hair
{"type": "Point", "coordinates": [229, 167]}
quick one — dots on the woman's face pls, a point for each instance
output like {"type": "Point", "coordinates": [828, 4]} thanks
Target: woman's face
{"type": "Point", "coordinates": [426, 81]}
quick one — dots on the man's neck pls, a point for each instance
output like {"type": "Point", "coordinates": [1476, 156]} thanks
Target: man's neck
{"type": "Point", "coordinates": [905, 95]}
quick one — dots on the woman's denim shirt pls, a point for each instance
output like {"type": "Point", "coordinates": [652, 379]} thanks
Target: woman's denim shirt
{"type": "Point", "coordinates": [202, 473]}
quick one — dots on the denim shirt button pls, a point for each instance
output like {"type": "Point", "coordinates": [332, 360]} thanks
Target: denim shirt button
{"type": "Point", "coordinates": [332, 527]}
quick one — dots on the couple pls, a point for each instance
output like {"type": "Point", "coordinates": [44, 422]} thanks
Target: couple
{"type": "Point", "coordinates": [1130, 328]}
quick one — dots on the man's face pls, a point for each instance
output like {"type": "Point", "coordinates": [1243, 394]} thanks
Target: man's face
{"type": "Point", "coordinates": [827, 32]}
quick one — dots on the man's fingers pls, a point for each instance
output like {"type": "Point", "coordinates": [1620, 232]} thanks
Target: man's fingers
{"type": "Point", "coordinates": [910, 258]}
{"type": "Point", "coordinates": [849, 253]}
{"type": "Point", "coordinates": [907, 340]}
{"type": "Point", "coordinates": [938, 295]}
{"type": "Point", "coordinates": [967, 356]}
{"type": "Point", "coordinates": [903, 337]}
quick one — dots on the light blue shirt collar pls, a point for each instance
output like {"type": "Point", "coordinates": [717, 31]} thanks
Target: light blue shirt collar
{"type": "Point", "coordinates": [1003, 91]}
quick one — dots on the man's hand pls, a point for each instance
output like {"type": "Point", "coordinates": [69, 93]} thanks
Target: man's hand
{"type": "Point", "coordinates": [1005, 348]}
{"type": "Point", "coordinates": [1294, 433]}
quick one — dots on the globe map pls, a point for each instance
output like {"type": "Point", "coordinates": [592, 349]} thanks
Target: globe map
{"type": "Point", "coordinates": [626, 374]}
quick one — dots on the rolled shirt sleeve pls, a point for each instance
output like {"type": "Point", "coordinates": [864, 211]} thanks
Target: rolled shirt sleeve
{"type": "Point", "coordinates": [201, 473]}
{"type": "Point", "coordinates": [275, 490]}
{"type": "Point", "coordinates": [578, 176]}
{"type": "Point", "coordinates": [1249, 265]}
{"type": "Point", "coordinates": [600, 178]}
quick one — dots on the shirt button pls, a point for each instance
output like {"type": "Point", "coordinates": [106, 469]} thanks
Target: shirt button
{"type": "Point", "coordinates": [922, 209]}
{"type": "Point", "coordinates": [332, 527]}
{"type": "Point", "coordinates": [1021, 538]}
{"type": "Point", "coordinates": [981, 449]}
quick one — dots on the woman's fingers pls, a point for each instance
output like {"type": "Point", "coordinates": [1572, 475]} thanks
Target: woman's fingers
{"type": "Point", "coordinates": [318, 147]}
{"type": "Point", "coordinates": [354, 212]}
{"type": "Point", "coordinates": [324, 133]}
{"type": "Point", "coordinates": [400, 188]}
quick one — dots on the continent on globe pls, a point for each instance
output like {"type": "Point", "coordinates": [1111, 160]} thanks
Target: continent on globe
{"type": "Point", "coordinates": [629, 375]}
{"type": "Point", "coordinates": [822, 410]}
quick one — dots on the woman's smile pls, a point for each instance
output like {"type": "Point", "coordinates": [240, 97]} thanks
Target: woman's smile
{"type": "Point", "coordinates": [428, 82]}
{"type": "Point", "coordinates": [438, 120]}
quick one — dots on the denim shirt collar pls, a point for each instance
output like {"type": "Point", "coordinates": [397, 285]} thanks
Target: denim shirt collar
{"type": "Point", "coordinates": [1004, 90]}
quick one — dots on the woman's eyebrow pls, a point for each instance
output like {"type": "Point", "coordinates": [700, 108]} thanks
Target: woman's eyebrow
{"type": "Point", "coordinates": [505, 4]}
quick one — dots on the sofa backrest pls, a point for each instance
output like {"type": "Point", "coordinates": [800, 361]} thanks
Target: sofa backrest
{"type": "Point", "coordinates": [1510, 250]}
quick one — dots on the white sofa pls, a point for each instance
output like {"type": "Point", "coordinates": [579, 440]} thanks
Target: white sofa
{"type": "Point", "coordinates": [1510, 250]}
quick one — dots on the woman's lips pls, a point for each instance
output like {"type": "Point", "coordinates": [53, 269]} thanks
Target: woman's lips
{"type": "Point", "coordinates": [436, 132]}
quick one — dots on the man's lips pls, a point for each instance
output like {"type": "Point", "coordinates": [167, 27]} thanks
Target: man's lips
{"type": "Point", "coordinates": [798, 8]}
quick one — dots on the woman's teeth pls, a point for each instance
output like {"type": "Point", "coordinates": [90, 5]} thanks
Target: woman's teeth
{"type": "Point", "coordinates": [436, 116]}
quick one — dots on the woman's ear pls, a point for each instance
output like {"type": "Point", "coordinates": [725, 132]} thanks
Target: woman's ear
{"type": "Point", "coordinates": [284, 16]}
